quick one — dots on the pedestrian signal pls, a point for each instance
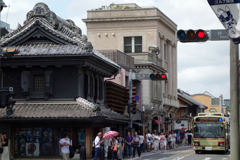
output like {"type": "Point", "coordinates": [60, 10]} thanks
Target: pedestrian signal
{"type": "Point", "coordinates": [158, 76]}
{"type": "Point", "coordinates": [192, 35]}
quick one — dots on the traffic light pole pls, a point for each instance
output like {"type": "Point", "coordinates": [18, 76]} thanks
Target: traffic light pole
{"type": "Point", "coordinates": [234, 94]}
{"type": "Point", "coordinates": [130, 101]}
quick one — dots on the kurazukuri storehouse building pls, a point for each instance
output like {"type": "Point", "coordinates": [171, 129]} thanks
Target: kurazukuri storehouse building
{"type": "Point", "coordinates": [58, 81]}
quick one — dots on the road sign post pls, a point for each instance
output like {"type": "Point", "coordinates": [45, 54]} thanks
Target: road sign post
{"type": "Point", "coordinates": [218, 35]}
{"type": "Point", "coordinates": [228, 14]}
{"type": "Point", "coordinates": [136, 98]}
{"type": "Point", "coordinates": [6, 89]}
{"type": "Point", "coordinates": [234, 94]}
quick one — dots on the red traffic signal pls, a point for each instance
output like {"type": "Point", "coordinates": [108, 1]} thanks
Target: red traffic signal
{"type": "Point", "coordinates": [192, 35]}
{"type": "Point", "coordinates": [158, 76]}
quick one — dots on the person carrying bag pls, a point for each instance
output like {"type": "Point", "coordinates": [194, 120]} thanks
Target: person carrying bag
{"type": "Point", "coordinates": [114, 148]}
{"type": "Point", "coordinates": [136, 145]}
{"type": "Point", "coordinates": [120, 147]}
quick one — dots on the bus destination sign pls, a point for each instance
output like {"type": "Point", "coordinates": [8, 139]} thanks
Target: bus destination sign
{"type": "Point", "coordinates": [209, 119]}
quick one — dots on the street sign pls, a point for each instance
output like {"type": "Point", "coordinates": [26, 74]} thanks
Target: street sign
{"type": "Point", "coordinates": [136, 98]}
{"type": "Point", "coordinates": [6, 89]}
{"type": "Point", "coordinates": [227, 12]}
{"type": "Point", "coordinates": [141, 76]}
{"type": "Point", "coordinates": [218, 35]}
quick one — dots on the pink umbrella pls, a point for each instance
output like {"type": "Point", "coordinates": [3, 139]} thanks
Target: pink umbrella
{"type": "Point", "coordinates": [110, 134]}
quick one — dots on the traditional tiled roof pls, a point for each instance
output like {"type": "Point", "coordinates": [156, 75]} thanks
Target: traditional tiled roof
{"type": "Point", "coordinates": [44, 24]}
{"type": "Point", "coordinates": [66, 36]}
{"type": "Point", "coordinates": [54, 50]}
{"type": "Point", "coordinates": [188, 97]}
{"type": "Point", "coordinates": [81, 109]}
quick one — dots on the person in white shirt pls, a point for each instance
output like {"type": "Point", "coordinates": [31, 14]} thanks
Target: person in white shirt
{"type": "Point", "coordinates": [148, 137]}
{"type": "Point", "coordinates": [173, 140]}
{"type": "Point", "coordinates": [162, 139]}
{"type": "Point", "coordinates": [156, 142]}
{"type": "Point", "coordinates": [64, 144]}
{"type": "Point", "coordinates": [141, 141]}
{"type": "Point", "coordinates": [97, 143]}
{"type": "Point", "coordinates": [186, 138]}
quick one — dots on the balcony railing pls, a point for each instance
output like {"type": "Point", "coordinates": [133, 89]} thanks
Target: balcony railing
{"type": "Point", "coordinates": [119, 57]}
{"type": "Point", "coordinates": [146, 57]}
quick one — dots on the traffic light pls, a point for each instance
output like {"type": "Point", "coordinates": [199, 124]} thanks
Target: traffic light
{"type": "Point", "coordinates": [158, 76]}
{"type": "Point", "coordinates": [9, 52]}
{"type": "Point", "coordinates": [192, 35]}
{"type": "Point", "coordinates": [9, 103]}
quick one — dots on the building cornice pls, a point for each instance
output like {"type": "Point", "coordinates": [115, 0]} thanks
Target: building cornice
{"type": "Point", "coordinates": [121, 19]}
{"type": "Point", "coordinates": [159, 13]}
{"type": "Point", "coordinates": [149, 65]}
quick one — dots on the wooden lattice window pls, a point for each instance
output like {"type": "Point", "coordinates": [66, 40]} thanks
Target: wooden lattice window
{"type": "Point", "coordinates": [38, 83]}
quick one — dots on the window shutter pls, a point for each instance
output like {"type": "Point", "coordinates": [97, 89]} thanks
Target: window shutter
{"type": "Point", "coordinates": [48, 82]}
{"type": "Point", "coordinates": [25, 80]}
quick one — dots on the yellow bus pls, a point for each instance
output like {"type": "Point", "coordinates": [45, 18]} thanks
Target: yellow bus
{"type": "Point", "coordinates": [211, 132]}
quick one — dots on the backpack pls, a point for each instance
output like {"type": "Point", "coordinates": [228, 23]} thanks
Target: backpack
{"type": "Point", "coordinates": [149, 138]}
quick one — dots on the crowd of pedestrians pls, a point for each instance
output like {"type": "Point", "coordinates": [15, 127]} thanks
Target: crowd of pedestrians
{"type": "Point", "coordinates": [156, 141]}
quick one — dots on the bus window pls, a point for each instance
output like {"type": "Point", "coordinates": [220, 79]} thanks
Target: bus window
{"type": "Point", "coordinates": [209, 130]}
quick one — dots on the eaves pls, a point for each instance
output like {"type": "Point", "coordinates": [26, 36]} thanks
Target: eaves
{"type": "Point", "coordinates": [184, 100]}
{"type": "Point", "coordinates": [149, 65]}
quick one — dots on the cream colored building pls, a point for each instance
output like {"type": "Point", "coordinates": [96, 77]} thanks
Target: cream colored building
{"type": "Point", "coordinates": [148, 35]}
{"type": "Point", "coordinates": [215, 105]}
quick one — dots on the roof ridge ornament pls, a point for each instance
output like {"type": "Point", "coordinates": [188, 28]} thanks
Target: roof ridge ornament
{"type": "Point", "coordinates": [19, 26]}
{"type": "Point", "coordinates": [42, 10]}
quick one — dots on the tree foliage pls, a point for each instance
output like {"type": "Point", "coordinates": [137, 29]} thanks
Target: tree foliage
{"type": "Point", "coordinates": [113, 6]}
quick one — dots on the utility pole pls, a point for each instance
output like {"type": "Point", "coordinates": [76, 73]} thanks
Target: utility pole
{"type": "Point", "coordinates": [130, 104]}
{"type": "Point", "coordinates": [234, 94]}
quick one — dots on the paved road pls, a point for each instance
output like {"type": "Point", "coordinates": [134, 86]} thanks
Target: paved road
{"type": "Point", "coordinates": [183, 153]}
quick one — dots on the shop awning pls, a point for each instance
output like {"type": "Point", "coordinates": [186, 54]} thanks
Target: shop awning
{"type": "Point", "coordinates": [157, 121]}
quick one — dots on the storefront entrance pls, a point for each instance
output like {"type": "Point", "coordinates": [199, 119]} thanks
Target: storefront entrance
{"type": "Point", "coordinates": [44, 142]}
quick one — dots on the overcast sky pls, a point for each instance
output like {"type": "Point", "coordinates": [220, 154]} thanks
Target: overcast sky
{"type": "Point", "coordinates": [201, 67]}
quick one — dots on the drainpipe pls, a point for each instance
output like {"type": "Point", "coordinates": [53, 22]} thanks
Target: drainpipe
{"type": "Point", "coordinates": [105, 88]}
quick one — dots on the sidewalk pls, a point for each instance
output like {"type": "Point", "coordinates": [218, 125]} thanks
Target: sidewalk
{"type": "Point", "coordinates": [153, 152]}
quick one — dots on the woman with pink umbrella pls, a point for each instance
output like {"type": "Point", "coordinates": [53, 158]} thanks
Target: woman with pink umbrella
{"type": "Point", "coordinates": [113, 135]}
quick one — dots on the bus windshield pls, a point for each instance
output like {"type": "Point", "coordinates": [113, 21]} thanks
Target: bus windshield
{"type": "Point", "coordinates": [209, 130]}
